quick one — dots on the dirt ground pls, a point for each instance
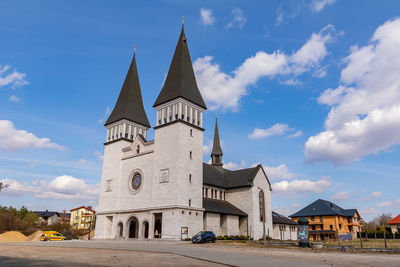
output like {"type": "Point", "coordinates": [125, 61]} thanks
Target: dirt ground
{"type": "Point", "coordinates": [100, 257]}
{"type": "Point", "coordinates": [312, 256]}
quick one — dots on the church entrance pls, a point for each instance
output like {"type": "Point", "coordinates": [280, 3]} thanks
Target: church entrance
{"type": "Point", "coordinates": [146, 229]}
{"type": "Point", "coordinates": [157, 225]}
{"type": "Point", "coordinates": [133, 228]}
{"type": "Point", "coordinates": [120, 230]}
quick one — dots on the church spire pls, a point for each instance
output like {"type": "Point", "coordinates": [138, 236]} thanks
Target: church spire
{"type": "Point", "coordinates": [180, 81]}
{"type": "Point", "coordinates": [216, 154]}
{"type": "Point", "coordinates": [129, 105]}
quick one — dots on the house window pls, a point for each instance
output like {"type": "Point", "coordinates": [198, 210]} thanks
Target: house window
{"type": "Point", "coordinates": [320, 219]}
{"type": "Point", "coordinates": [331, 227]}
{"type": "Point", "coordinates": [312, 218]}
{"type": "Point", "coordinates": [190, 178]}
{"type": "Point", "coordinates": [348, 220]}
{"type": "Point", "coordinates": [340, 226]}
{"type": "Point", "coordinates": [224, 195]}
{"type": "Point", "coordinates": [262, 204]}
{"type": "Point", "coordinates": [312, 227]}
{"type": "Point", "coordinates": [220, 195]}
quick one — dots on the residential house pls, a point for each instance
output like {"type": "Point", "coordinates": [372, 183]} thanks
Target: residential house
{"type": "Point", "coordinates": [283, 227]}
{"type": "Point", "coordinates": [49, 217]}
{"type": "Point", "coordinates": [395, 224]}
{"type": "Point", "coordinates": [329, 221]}
{"type": "Point", "coordinates": [83, 217]}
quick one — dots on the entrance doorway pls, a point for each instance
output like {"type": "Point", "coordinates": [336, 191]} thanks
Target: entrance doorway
{"type": "Point", "coordinates": [133, 228]}
{"type": "Point", "coordinates": [157, 225]}
{"type": "Point", "coordinates": [146, 229]}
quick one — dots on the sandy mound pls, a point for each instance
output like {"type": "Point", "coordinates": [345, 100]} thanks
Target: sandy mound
{"type": "Point", "coordinates": [35, 236]}
{"type": "Point", "coordinates": [85, 237]}
{"type": "Point", "coordinates": [12, 236]}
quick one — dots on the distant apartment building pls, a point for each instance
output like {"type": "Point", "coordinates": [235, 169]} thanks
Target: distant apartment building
{"type": "Point", "coordinates": [48, 217]}
{"type": "Point", "coordinates": [83, 217]}
{"type": "Point", "coordinates": [329, 221]}
{"type": "Point", "coordinates": [283, 227]}
{"type": "Point", "coordinates": [395, 224]}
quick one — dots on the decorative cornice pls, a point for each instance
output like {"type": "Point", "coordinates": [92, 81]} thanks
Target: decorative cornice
{"type": "Point", "coordinates": [179, 120]}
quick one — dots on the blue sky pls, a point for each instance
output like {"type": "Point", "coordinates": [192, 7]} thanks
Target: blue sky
{"type": "Point", "coordinates": [309, 89]}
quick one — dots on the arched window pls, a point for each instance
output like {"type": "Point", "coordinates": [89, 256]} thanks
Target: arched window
{"type": "Point", "coordinates": [262, 205]}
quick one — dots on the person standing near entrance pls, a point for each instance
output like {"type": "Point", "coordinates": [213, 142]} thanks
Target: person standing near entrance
{"type": "Point", "coordinates": [156, 234]}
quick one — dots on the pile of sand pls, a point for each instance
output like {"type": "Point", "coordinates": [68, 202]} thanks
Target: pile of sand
{"type": "Point", "coordinates": [12, 236]}
{"type": "Point", "coordinates": [35, 236]}
{"type": "Point", "coordinates": [85, 237]}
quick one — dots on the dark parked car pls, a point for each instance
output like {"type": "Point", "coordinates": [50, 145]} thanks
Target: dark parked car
{"type": "Point", "coordinates": [203, 237]}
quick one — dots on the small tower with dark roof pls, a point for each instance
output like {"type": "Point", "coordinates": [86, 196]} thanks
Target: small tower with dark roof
{"type": "Point", "coordinates": [216, 153]}
{"type": "Point", "coordinates": [128, 117]}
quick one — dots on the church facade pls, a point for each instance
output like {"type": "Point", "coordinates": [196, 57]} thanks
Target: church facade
{"type": "Point", "coordinates": [161, 188]}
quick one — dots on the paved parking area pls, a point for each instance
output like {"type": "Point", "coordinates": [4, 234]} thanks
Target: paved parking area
{"type": "Point", "coordinates": [214, 254]}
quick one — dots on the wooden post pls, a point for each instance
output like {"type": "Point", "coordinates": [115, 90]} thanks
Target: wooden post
{"type": "Point", "coordinates": [361, 240]}
{"type": "Point", "coordinates": [384, 236]}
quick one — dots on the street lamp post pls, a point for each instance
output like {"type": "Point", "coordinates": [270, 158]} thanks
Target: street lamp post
{"type": "Point", "coordinates": [263, 215]}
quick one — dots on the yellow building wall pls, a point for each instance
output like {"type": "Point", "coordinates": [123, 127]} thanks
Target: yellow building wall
{"type": "Point", "coordinates": [82, 218]}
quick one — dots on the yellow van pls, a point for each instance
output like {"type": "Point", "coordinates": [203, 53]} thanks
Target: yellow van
{"type": "Point", "coordinates": [51, 236]}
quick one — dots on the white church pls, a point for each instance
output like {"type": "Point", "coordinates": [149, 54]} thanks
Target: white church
{"type": "Point", "coordinates": [161, 188]}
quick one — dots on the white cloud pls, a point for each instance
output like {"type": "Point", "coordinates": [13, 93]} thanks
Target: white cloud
{"type": "Point", "coordinates": [14, 99]}
{"type": "Point", "coordinates": [106, 113]}
{"type": "Point", "coordinates": [339, 196]}
{"type": "Point", "coordinates": [238, 20]}
{"type": "Point", "coordinates": [235, 166]}
{"type": "Point", "coordinates": [373, 195]}
{"type": "Point", "coordinates": [206, 16]}
{"type": "Point", "coordinates": [222, 90]}
{"type": "Point", "coordinates": [278, 172]}
{"type": "Point", "coordinates": [13, 79]}
{"type": "Point", "coordinates": [63, 187]}
{"type": "Point", "coordinates": [365, 107]}
{"type": "Point", "coordinates": [277, 129]}
{"type": "Point", "coordinates": [318, 5]}
{"type": "Point", "coordinates": [207, 148]}
{"type": "Point", "coordinates": [296, 134]}
{"type": "Point", "coordinates": [395, 203]}
{"type": "Point", "coordinates": [302, 186]}
{"type": "Point", "coordinates": [12, 139]}
{"type": "Point", "coordinates": [99, 155]}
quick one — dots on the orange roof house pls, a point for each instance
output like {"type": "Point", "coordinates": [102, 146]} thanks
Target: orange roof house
{"type": "Point", "coordinates": [395, 224]}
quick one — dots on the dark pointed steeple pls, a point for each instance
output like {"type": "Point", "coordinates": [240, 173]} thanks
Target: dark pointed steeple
{"type": "Point", "coordinates": [130, 104]}
{"type": "Point", "coordinates": [180, 81]}
{"type": "Point", "coordinates": [216, 154]}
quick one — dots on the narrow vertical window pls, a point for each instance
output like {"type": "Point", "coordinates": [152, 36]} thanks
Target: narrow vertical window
{"type": "Point", "coordinates": [137, 149]}
{"type": "Point", "coordinates": [262, 205]}
{"type": "Point", "coordinates": [190, 155]}
{"type": "Point", "coordinates": [190, 178]}
{"type": "Point", "coordinates": [206, 192]}
{"type": "Point", "coordinates": [191, 132]}
{"type": "Point", "coordinates": [190, 202]}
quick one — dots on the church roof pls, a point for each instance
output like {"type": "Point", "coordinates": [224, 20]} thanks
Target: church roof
{"type": "Point", "coordinates": [229, 179]}
{"type": "Point", "coordinates": [324, 207]}
{"type": "Point", "coordinates": [280, 219]}
{"type": "Point", "coordinates": [180, 81]}
{"type": "Point", "coordinates": [222, 207]}
{"type": "Point", "coordinates": [216, 150]}
{"type": "Point", "coordinates": [130, 104]}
